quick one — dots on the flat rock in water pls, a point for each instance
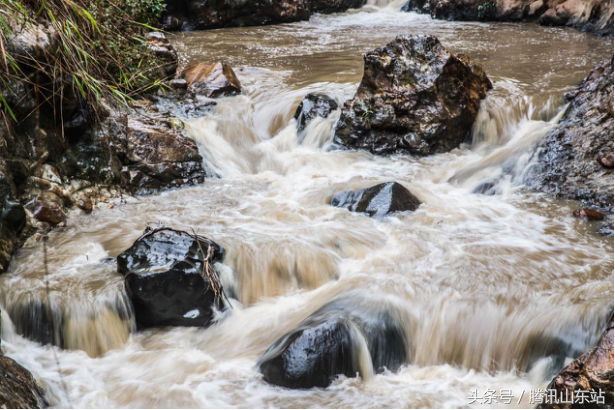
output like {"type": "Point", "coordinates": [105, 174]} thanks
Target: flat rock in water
{"type": "Point", "coordinates": [211, 80]}
{"type": "Point", "coordinates": [167, 279]}
{"type": "Point", "coordinates": [589, 214]}
{"type": "Point", "coordinates": [18, 389]}
{"type": "Point", "coordinates": [415, 98]}
{"type": "Point", "coordinates": [378, 201]}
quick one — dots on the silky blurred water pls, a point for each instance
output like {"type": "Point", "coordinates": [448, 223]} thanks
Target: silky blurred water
{"type": "Point", "coordinates": [481, 283]}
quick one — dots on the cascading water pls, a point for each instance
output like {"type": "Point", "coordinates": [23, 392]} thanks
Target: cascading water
{"type": "Point", "coordinates": [490, 291]}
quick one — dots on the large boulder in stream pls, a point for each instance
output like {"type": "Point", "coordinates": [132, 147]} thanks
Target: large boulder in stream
{"type": "Point", "coordinates": [187, 15]}
{"type": "Point", "coordinates": [338, 339]}
{"type": "Point", "coordinates": [211, 79]}
{"type": "Point", "coordinates": [313, 105]}
{"type": "Point", "coordinates": [18, 389]}
{"type": "Point", "coordinates": [575, 160]}
{"type": "Point", "coordinates": [415, 97]}
{"type": "Point", "coordinates": [377, 201]}
{"type": "Point", "coordinates": [311, 356]}
{"type": "Point", "coordinates": [171, 279]}
{"type": "Point", "coordinates": [590, 373]}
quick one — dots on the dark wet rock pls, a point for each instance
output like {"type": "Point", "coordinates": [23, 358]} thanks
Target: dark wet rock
{"type": "Point", "coordinates": [415, 98]}
{"type": "Point", "coordinates": [311, 356]}
{"type": "Point", "coordinates": [328, 344]}
{"type": "Point", "coordinates": [18, 389]}
{"type": "Point", "coordinates": [211, 79]}
{"type": "Point", "coordinates": [588, 15]}
{"type": "Point", "coordinates": [168, 277]}
{"type": "Point", "coordinates": [377, 201]}
{"type": "Point", "coordinates": [591, 372]}
{"type": "Point", "coordinates": [566, 164]}
{"type": "Point", "coordinates": [334, 6]}
{"type": "Point", "coordinates": [158, 155]}
{"type": "Point", "coordinates": [589, 214]}
{"type": "Point", "coordinates": [187, 15]}
{"type": "Point", "coordinates": [606, 229]}
{"type": "Point", "coordinates": [313, 105]}
{"type": "Point", "coordinates": [14, 215]}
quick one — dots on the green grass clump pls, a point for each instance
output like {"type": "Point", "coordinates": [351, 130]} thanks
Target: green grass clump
{"type": "Point", "coordinates": [101, 50]}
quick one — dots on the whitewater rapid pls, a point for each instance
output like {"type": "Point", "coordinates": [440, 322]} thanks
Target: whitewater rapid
{"type": "Point", "coordinates": [494, 291]}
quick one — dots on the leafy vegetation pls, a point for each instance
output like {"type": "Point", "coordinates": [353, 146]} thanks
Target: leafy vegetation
{"type": "Point", "coordinates": [98, 49]}
{"type": "Point", "coordinates": [486, 10]}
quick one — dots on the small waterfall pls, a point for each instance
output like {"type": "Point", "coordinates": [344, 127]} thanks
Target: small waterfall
{"type": "Point", "coordinates": [389, 4]}
{"type": "Point", "coordinates": [7, 330]}
{"type": "Point", "coordinates": [53, 309]}
{"type": "Point", "coordinates": [505, 135]}
{"type": "Point", "coordinates": [246, 136]}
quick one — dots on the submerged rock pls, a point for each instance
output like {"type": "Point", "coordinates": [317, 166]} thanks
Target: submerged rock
{"type": "Point", "coordinates": [211, 80]}
{"type": "Point", "coordinates": [338, 339]}
{"type": "Point", "coordinates": [313, 105]}
{"type": "Point", "coordinates": [187, 15]}
{"type": "Point", "coordinates": [569, 160]}
{"type": "Point", "coordinates": [377, 201]}
{"type": "Point", "coordinates": [170, 278]}
{"type": "Point", "coordinates": [415, 98]}
{"type": "Point", "coordinates": [335, 6]}
{"type": "Point", "coordinates": [589, 214]}
{"type": "Point", "coordinates": [18, 389]}
{"type": "Point", "coordinates": [587, 15]}
{"type": "Point", "coordinates": [591, 372]}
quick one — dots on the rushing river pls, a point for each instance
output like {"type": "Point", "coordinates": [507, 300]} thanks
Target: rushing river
{"type": "Point", "coordinates": [494, 291]}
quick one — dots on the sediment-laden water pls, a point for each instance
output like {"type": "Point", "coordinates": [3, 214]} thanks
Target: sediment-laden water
{"type": "Point", "coordinates": [493, 291]}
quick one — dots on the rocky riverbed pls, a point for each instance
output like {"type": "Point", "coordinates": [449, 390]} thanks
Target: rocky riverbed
{"type": "Point", "coordinates": [300, 218]}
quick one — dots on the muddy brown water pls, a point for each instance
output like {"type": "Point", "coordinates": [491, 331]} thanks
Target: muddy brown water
{"type": "Point", "coordinates": [494, 292]}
